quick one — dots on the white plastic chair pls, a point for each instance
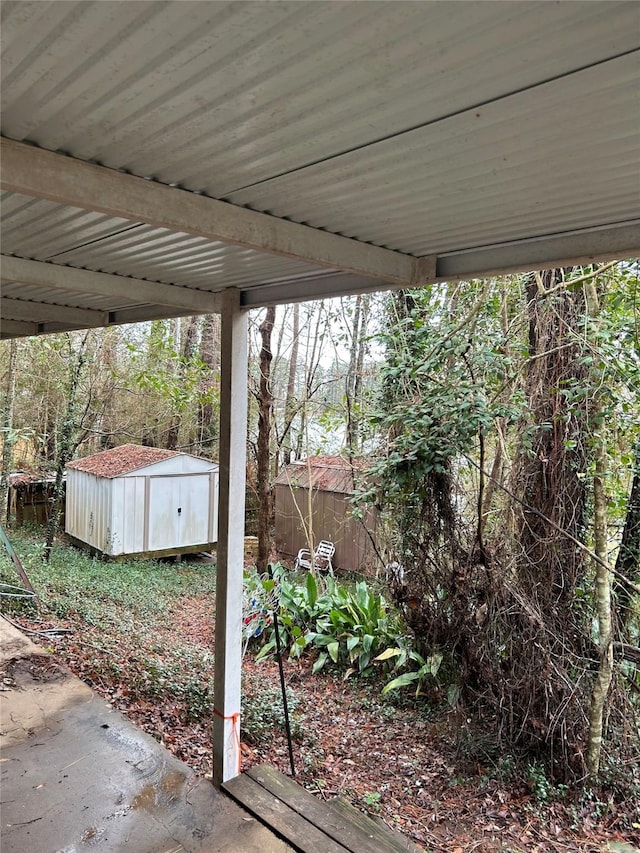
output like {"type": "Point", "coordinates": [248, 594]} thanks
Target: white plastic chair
{"type": "Point", "coordinates": [318, 560]}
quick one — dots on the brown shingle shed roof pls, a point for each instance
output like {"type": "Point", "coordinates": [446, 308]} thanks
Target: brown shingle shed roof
{"type": "Point", "coordinates": [325, 473]}
{"type": "Point", "coordinates": [121, 460]}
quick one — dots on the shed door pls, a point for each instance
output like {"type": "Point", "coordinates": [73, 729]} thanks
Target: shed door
{"type": "Point", "coordinates": [178, 511]}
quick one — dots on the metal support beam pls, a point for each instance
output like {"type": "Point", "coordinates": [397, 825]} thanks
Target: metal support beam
{"type": "Point", "coordinates": [324, 286]}
{"type": "Point", "coordinates": [17, 329]}
{"type": "Point", "coordinates": [44, 312]}
{"type": "Point", "coordinates": [230, 550]}
{"type": "Point", "coordinates": [586, 246]}
{"type": "Point", "coordinates": [134, 290]}
{"type": "Point", "coordinates": [44, 174]}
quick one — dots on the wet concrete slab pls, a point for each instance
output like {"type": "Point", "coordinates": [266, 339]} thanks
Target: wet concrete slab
{"type": "Point", "coordinates": [78, 776]}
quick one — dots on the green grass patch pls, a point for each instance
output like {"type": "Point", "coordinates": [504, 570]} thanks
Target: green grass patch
{"type": "Point", "coordinates": [114, 595]}
{"type": "Point", "coordinates": [125, 620]}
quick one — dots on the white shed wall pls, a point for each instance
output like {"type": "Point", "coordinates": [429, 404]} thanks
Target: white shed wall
{"type": "Point", "coordinates": [88, 509]}
{"type": "Point", "coordinates": [174, 465]}
{"type": "Point", "coordinates": [128, 515]}
{"type": "Point", "coordinates": [169, 505]}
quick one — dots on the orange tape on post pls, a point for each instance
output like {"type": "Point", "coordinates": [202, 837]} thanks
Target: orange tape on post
{"type": "Point", "coordinates": [236, 731]}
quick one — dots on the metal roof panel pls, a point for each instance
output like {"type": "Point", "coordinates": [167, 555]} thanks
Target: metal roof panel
{"type": "Point", "coordinates": [464, 132]}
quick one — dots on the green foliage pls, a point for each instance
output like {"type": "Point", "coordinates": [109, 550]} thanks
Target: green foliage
{"type": "Point", "coordinates": [436, 390]}
{"type": "Point", "coordinates": [347, 626]}
{"type": "Point", "coordinates": [125, 610]}
{"type": "Point", "coordinates": [103, 593]}
{"type": "Point", "coordinates": [543, 788]}
{"type": "Point", "coordinates": [427, 668]}
{"type": "Point", "coordinates": [263, 712]}
{"type": "Point", "coordinates": [163, 371]}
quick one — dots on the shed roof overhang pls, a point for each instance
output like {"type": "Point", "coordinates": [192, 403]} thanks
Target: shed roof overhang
{"type": "Point", "coordinates": [154, 154]}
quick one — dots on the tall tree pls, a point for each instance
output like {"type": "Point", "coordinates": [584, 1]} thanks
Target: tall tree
{"type": "Point", "coordinates": [67, 442]}
{"type": "Point", "coordinates": [7, 427]}
{"type": "Point", "coordinates": [290, 398]}
{"type": "Point", "coordinates": [189, 348]}
{"type": "Point", "coordinates": [265, 402]}
{"type": "Point", "coordinates": [353, 379]}
{"type": "Point", "coordinates": [600, 528]}
{"type": "Point", "coordinates": [209, 354]}
{"type": "Point", "coordinates": [627, 566]}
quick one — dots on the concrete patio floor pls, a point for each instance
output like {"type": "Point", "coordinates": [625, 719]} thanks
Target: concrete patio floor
{"type": "Point", "coordinates": [77, 775]}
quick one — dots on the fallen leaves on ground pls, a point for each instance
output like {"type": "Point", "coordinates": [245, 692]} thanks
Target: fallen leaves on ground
{"type": "Point", "coordinates": [395, 763]}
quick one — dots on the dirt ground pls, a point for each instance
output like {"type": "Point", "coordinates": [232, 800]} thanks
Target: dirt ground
{"type": "Point", "coordinates": [410, 769]}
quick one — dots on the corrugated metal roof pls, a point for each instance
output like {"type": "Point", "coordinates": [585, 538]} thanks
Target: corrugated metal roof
{"type": "Point", "coordinates": [432, 129]}
{"type": "Point", "coordinates": [39, 229]}
{"type": "Point", "coordinates": [219, 96]}
{"type": "Point", "coordinates": [324, 473]}
{"type": "Point", "coordinates": [121, 460]}
{"type": "Point", "coordinates": [475, 177]}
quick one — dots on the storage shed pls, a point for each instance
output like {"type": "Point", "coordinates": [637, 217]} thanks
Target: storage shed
{"type": "Point", "coordinates": [30, 497]}
{"type": "Point", "coordinates": [142, 501]}
{"type": "Point", "coordinates": [331, 481]}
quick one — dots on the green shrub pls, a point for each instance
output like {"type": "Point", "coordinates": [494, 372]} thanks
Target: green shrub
{"type": "Point", "coordinates": [344, 625]}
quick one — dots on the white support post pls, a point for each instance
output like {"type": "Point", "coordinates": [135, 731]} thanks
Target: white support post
{"type": "Point", "coordinates": [230, 550]}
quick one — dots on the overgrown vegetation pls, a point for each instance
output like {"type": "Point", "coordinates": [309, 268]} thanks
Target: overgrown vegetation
{"type": "Point", "coordinates": [347, 625]}
{"type": "Point", "coordinates": [126, 611]}
{"type": "Point", "coordinates": [132, 637]}
{"type": "Point", "coordinates": [504, 418]}
{"type": "Point", "coordinates": [501, 422]}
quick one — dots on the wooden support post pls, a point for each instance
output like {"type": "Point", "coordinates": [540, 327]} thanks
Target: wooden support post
{"type": "Point", "coordinates": [230, 551]}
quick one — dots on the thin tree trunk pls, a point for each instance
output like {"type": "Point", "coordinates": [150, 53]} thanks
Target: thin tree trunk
{"type": "Point", "coordinates": [188, 351]}
{"type": "Point", "coordinates": [351, 379]}
{"type": "Point", "coordinates": [66, 445]}
{"type": "Point", "coordinates": [7, 425]}
{"type": "Point", "coordinates": [603, 574]}
{"type": "Point", "coordinates": [357, 387]}
{"type": "Point", "coordinates": [290, 399]}
{"type": "Point", "coordinates": [603, 611]}
{"type": "Point", "coordinates": [209, 355]}
{"type": "Point", "coordinates": [312, 361]}
{"type": "Point", "coordinates": [265, 403]}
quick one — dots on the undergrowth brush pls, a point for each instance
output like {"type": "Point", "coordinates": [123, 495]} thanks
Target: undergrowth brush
{"type": "Point", "coordinates": [120, 615]}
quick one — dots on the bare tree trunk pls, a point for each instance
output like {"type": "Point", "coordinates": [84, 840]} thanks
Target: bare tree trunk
{"type": "Point", "coordinates": [312, 361]}
{"type": "Point", "coordinates": [66, 446]}
{"type": "Point", "coordinates": [265, 403]}
{"type": "Point", "coordinates": [188, 352]}
{"type": "Point", "coordinates": [351, 379]}
{"type": "Point", "coordinates": [7, 425]}
{"type": "Point", "coordinates": [209, 346]}
{"type": "Point", "coordinates": [603, 575]}
{"type": "Point", "coordinates": [353, 383]}
{"type": "Point", "coordinates": [357, 386]}
{"type": "Point", "coordinates": [290, 401]}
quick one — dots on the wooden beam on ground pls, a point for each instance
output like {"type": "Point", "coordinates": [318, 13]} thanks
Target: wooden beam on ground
{"type": "Point", "coordinates": [230, 550]}
{"type": "Point", "coordinates": [135, 290]}
{"type": "Point", "coordinates": [297, 816]}
{"type": "Point", "coordinates": [286, 823]}
{"type": "Point", "coordinates": [35, 172]}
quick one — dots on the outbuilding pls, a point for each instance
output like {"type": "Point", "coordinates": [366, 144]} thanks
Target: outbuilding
{"type": "Point", "coordinates": [313, 502]}
{"type": "Point", "coordinates": [142, 501]}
